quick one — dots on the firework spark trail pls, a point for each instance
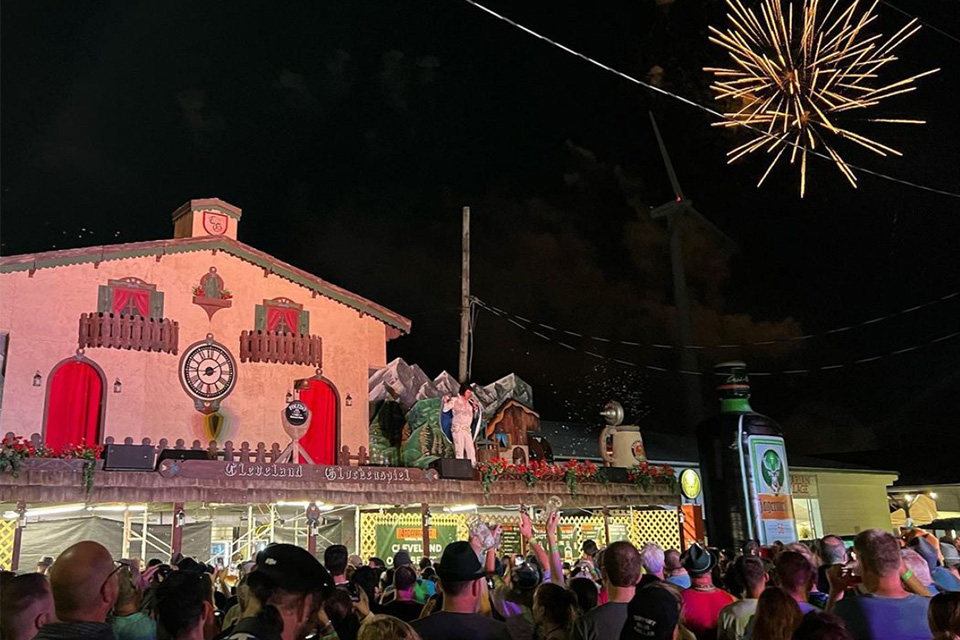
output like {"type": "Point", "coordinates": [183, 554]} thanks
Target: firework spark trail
{"type": "Point", "coordinates": [795, 77]}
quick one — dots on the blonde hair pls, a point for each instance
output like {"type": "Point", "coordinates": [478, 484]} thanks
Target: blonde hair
{"type": "Point", "coordinates": [382, 627]}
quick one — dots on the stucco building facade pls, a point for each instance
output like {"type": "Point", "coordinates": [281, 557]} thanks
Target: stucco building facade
{"type": "Point", "coordinates": [132, 312]}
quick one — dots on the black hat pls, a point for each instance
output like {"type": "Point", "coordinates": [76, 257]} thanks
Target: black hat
{"type": "Point", "coordinates": [401, 558]}
{"type": "Point", "coordinates": [191, 566]}
{"type": "Point", "coordinates": [652, 614]}
{"type": "Point", "coordinates": [525, 577]}
{"type": "Point", "coordinates": [459, 563]}
{"type": "Point", "coordinates": [697, 560]}
{"type": "Point", "coordinates": [294, 569]}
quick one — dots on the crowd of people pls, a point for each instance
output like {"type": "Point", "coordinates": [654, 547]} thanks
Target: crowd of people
{"type": "Point", "coordinates": [884, 588]}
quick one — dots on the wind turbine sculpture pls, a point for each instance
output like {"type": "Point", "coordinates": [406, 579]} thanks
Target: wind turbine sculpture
{"type": "Point", "coordinates": [674, 211]}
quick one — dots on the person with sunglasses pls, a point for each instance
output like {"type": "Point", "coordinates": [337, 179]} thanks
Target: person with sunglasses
{"type": "Point", "coordinates": [85, 584]}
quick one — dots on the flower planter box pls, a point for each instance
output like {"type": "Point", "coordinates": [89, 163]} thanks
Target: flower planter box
{"type": "Point", "coordinates": [212, 305]}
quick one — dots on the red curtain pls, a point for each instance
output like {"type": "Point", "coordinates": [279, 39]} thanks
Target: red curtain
{"type": "Point", "coordinates": [320, 442]}
{"type": "Point", "coordinates": [122, 296]}
{"type": "Point", "coordinates": [73, 406]}
{"type": "Point", "coordinates": [289, 316]}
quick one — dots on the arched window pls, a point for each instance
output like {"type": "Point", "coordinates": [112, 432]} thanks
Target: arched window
{"type": "Point", "coordinates": [76, 393]}
{"type": "Point", "coordinates": [323, 438]}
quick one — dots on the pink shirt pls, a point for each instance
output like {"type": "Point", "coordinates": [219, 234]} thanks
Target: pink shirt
{"type": "Point", "coordinates": [701, 610]}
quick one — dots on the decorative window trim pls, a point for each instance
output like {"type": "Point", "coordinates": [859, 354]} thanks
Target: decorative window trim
{"type": "Point", "coordinates": [262, 314]}
{"type": "Point", "coordinates": [107, 295]}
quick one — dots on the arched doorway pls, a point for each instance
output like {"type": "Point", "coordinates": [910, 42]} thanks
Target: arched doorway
{"type": "Point", "coordinates": [322, 441]}
{"type": "Point", "coordinates": [76, 394]}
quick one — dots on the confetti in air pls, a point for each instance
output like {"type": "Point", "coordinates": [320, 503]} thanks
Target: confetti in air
{"type": "Point", "coordinates": [796, 78]}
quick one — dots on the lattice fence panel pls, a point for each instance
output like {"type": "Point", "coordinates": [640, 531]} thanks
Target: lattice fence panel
{"type": "Point", "coordinates": [656, 525]}
{"type": "Point", "coordinates": [369, 522]}
{"type": "Point", "coordinates": [8, 529]}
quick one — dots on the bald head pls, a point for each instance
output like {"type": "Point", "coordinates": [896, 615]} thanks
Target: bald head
{"type": "Point", "coordinates": [84, 583]}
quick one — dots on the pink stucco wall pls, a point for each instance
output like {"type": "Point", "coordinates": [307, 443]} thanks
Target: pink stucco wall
{"type": "Point", "coordinates": [41, 314]}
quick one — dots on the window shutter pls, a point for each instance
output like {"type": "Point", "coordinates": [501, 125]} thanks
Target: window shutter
{"type": "Point", "coordinates": [260, 318]}
{"type": "Point", "coordinates": [304, 323]}
{"type": "Point", "coordinates": [156, 305]}
{"type": "Point", "coordinates": [105, 299]}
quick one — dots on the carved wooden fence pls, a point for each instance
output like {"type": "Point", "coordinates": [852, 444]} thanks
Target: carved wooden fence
{"type": "Point", "coordinates": [282, 348]}
{"type": "Point", "coordinates": [128, 332]}
{"type": "Point", "coordinates": [246, 452]}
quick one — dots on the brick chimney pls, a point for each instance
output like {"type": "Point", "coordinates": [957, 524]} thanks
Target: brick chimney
{"type": "Point", "coordinates": [206, 217]}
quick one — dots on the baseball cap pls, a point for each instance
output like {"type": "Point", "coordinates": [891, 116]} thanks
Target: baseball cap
{"type": "Point", "coordinates": [401, 558]}
{"type": "Point", "coordinates": [652, 614]}
{"type": "Point", "coordinates": [525, 577]}
{"type": "Point", "coordinates": [459, 563]}
{"type": "Point", "coordinates": [294, 569]}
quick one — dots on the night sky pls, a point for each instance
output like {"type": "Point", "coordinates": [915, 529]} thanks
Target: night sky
{"type": "Point", "coordinates": [351, 133]}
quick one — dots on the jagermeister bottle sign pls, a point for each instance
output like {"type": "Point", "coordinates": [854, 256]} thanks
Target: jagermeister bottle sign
{"type": "Point", "coordinates": [744, 467]}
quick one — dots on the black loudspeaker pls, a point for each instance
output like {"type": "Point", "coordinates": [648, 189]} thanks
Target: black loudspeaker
{"type": "Point", "coordinates": [182, 454]}
{"type": "Point", "coordinates": [128, 457]}
{"type": "Point", "coordinates": [454, 468]}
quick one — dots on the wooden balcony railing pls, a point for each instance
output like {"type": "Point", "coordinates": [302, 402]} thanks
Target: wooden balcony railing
{"type": "Point", "coordinates": [132, 332]}
{"type": "Point", "coordinates": [246, 452]}
{"type": "Point", "coordinates": [282, 348]}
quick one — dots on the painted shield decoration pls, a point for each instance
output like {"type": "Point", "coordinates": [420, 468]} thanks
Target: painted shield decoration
{"type": "Point", "coordinates": [771, 467]}
{"type": "Point", "coordinates": [638, 452]}
{"type": "Point", "coordinates": [213, 424]}
{"type": "Point", "coordinates": [215, 223]}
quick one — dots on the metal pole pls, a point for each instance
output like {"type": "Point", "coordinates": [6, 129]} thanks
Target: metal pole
{"type": "Point", "coordinates": [681, 297]}
{"type": "Point", "coordinates": [127, 533]}
{"type": "Point", "coordinates": [273, 520]}
{"type": "Point", "coordinates": [143, 534]}
{"type": "Point", "coordinates": [18, 535]}
{"type": "Point", "coordinates": [465, 296]}
{"type": "Point", "coordinates": [249, 531]}
{"type": "Point", "coordinates": [356, 528]}
{"type": "Point", "coordinates": [176, 531]}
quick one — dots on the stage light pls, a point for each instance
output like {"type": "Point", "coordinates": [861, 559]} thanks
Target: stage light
{"type": "Point", "coordinates": [46, 511]}
{"type": "Point", "coordinates": [459, 508]}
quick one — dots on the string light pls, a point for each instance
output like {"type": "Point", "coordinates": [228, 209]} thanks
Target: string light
{"type": "Point", "coordinates": [789, 372]}
{"type": "Point", "coordinates": [515, 319]}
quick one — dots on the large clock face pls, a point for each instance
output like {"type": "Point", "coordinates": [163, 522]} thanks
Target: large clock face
{"type": "Point", "coordinates": [208, 371]}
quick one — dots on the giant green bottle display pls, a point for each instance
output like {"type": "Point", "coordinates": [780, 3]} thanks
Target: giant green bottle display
{"type": "Point", "coordinates": [743, 462]}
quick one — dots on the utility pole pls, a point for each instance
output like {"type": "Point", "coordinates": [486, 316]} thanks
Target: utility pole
{"type": "Point", "coordinates": [465, 297]}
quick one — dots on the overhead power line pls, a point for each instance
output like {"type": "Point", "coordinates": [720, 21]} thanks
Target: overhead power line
{"type": "Point", "coordinates": [516, 319]}
{"type": "Point", "coordinates": [658, 369]}
{"type": "Point", "coordinates": [699, 106]}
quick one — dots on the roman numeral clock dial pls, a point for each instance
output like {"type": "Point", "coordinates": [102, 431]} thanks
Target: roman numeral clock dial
{"type": "Point", "coordinates": [208, 373]}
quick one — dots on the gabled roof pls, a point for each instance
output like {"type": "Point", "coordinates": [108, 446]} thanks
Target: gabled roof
{"type": "Point", "coordinates": [51, 259]}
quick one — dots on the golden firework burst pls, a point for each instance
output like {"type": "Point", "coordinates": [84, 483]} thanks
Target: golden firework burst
{"type": "Point", "coordinates": [797, 78]}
